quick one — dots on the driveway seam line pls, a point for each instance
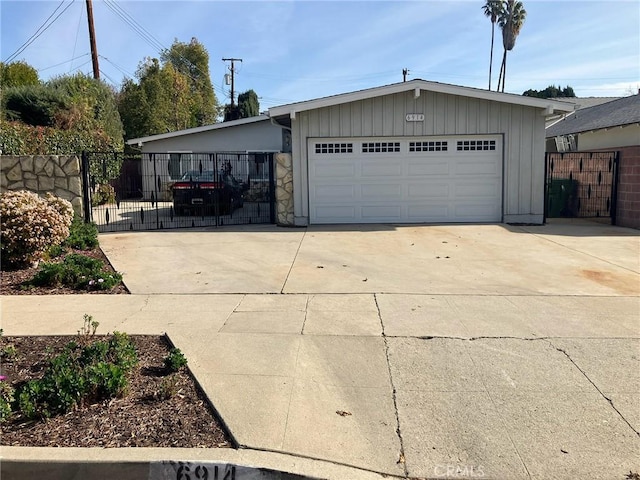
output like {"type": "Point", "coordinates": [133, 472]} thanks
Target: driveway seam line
{"type": "Point", "coordinates": [583, 253]}
{"type": "Point", "coordinates": [295, 257]}
{"type": "Point", "coordinates": [402, 458]}
{"type": "Point", "coordinates": [561, 350]}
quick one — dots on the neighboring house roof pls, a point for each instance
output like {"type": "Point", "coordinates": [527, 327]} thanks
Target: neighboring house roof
{"type": "Point", "coordinates": [617, 113]}
{"type": "Point", "coordinates": [417, 85]}
{"type": "Point", "coordinates": [586, 102]}
{"type": "Point", "coordinates": [204, 128]}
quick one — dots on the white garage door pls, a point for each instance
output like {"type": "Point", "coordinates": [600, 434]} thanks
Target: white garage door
{"type": "Point", "coordinates": [405, 180]}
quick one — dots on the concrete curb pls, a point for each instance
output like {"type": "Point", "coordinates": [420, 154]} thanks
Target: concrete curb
{"type": "Point", "coordinates": [29, 463]}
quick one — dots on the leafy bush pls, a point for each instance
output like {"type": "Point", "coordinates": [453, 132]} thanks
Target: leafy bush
{"type": "Point", "coordinates": [79, 374]}
{"type": "Point", "coordinates": [17, 138]}
{"type": "Point", "coordinates": [34, 104]}
{"type": "Point", "coordinates": [174, 360]}
{"type": "Point", "coordinates": [105, 193]}
{"type": "Point", "coordinates": [76, 271]}
{"type": "Point", "coordinates": [6, 400]}
{"type": "Point", "coordinates": [31, 225]}
{"type": "Point", "coordinates": [82, 236]}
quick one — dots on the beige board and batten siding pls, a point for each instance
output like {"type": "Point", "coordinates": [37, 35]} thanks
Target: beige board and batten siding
{"type": "Point", "coordinates": [521, 127]}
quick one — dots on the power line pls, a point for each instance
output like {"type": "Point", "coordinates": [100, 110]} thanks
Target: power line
{"type": "Point", "coordinates": [139, 29]}
{"type": "Point", "coordinates": [150, 39]}
{"type": "Point", "coordinates": [75, 45]}
{"type": "Point", "coordinates": [43, 28]}
{"type": "Point", "coordinates": [62, 63]}
{"type": "Point", "coordinates": [122, 70]}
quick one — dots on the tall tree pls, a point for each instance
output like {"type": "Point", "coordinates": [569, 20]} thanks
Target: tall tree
{"type": "Point", "coordinates": [492, 10]}
{"type": "Point", "coordinates": [511, 19]}
{"type": "Point", "coordinates": [171, 93]}
{"type": "Point", "coordinates": [192, 60]}
{"type": "Point", "coordinates": [248, 104]}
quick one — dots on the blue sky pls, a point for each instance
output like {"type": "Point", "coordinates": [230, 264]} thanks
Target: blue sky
{"type": "Point", "coordinates": [299, 50]}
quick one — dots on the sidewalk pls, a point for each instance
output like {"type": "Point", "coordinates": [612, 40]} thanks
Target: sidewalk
{"type": "Point", "coordinates": [502, 386]}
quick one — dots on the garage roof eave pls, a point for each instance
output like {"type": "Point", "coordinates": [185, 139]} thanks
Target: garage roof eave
{"type": "Point", "coordinates": [417, 84]}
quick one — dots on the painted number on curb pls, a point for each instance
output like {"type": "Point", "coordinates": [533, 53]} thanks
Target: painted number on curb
{"type": "Point", "coordinates": [200, 472]}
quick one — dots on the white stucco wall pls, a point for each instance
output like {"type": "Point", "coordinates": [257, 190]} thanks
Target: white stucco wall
{"type": "Point", "coordinates": [521, 127]}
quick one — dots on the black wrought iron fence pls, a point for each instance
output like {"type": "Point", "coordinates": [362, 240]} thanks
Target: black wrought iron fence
{"type": "Point", "coordinates": [151, 191]}
{"type": "Point", "coordinates": [581, 184]}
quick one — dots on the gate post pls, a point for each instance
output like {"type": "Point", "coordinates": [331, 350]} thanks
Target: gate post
{"type": "Point", "coordinates": [614, 186]}
{"type": "Point", "coordinates": [86, 187]}
{"type": "Point", "coordinates": [272, 189]}
{"type": "Point", "coordinates": [546, 188]}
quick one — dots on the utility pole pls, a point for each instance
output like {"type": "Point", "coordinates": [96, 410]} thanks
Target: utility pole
{"type": "Point", "coordinates": [92, 40]}
{"type": "Point", "coordinates": [405, 72]}
{"type": "Point", "coordinates": [233, 71]}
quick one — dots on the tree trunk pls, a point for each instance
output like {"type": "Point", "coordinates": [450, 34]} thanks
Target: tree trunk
{"type": "Point", "coordinates": [493, 26]}
{"type": "Point", "coordinates": [504, 70]}
{"type": "Point", "coordinates": [504, 59]}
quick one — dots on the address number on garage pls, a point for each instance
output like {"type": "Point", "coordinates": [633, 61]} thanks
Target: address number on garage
{"type": "Point", "coordinates": [415, 117]}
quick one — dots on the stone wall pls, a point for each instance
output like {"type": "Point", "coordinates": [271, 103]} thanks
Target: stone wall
{"type": "Point", "coordinates": [284, 189]}
{"type": "Point", "coordinates": [59, 175]}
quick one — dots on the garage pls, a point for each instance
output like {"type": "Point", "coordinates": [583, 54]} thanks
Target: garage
{"type": "Point", "coordinates": [405, 180]}
{"type": "Point", "coordinates": [415, 152]}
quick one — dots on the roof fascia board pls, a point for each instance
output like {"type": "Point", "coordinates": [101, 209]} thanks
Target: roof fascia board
{"type": "Point", "coordinates": [549, 105]}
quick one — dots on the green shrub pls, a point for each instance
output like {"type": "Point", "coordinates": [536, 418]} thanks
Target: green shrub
{"type": "Point", "coordinates": [82, 236]}
{"type": "Point", "coordinates": [104, 194]}
{"type": "Point", "coordinates": [6, 400]}
{"type": "Point", "coordinates": [30, 225]}
{"type": "Point", "coordinates": [174, 360]}
{"type": "Point", "coordinates": [78, 374]}
{"type": "Point", "coordinates": [76, 271]}
{"type": "Point", "coordinates": [106, 380]}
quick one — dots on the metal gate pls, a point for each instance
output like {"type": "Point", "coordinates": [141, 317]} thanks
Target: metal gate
{"type": "Point", "coordinates": [581, 184]}
{"type": "Point", "coordinates": [151, 191]}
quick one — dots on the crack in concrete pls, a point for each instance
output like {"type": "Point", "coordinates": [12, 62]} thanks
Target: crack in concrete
{"type": "Point", "coordinates": [561, 350]}
{"type": "Point", "coordinates": [471, 339]}
{"type": "Point", "coordinates": [401, 455]}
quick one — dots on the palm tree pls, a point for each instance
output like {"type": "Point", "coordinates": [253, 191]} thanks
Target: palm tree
{"type": "Point", "coordinates": [492, 10]}
{"type": "Point", "coordinates": [511, 19]}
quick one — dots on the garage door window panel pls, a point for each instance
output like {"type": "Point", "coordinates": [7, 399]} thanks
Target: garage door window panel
{"type": "Point", "coordinates": [381, 147]}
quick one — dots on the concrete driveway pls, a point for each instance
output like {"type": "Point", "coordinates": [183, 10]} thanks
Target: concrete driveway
{"type": "Point", "coordinates": [573, 259]}
{"type": "Point", "coordinates": [462, 351]}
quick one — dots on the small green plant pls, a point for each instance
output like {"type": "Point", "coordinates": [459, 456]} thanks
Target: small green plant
{"type": "Point", "coordinates": [88, 329]}
{"type": "Point", "coordinates": [174, 360]}
{"type": "Point", "coordinates": [82, 236]}
{"type": "Point", "coordinates": [80, 373]}
{"type": "Point", "coordinates": [168, 388]}
{"type": "Point", "coordinates": [106, 380]}
{"type": "Point", "coordinates": [55, 252]}
{"type": "Point", "coordinates": [6, 399]}
{"type": "Point", "coordinates": [7, 349]}
{"type": "Point", "coordinates": [76, 271]}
